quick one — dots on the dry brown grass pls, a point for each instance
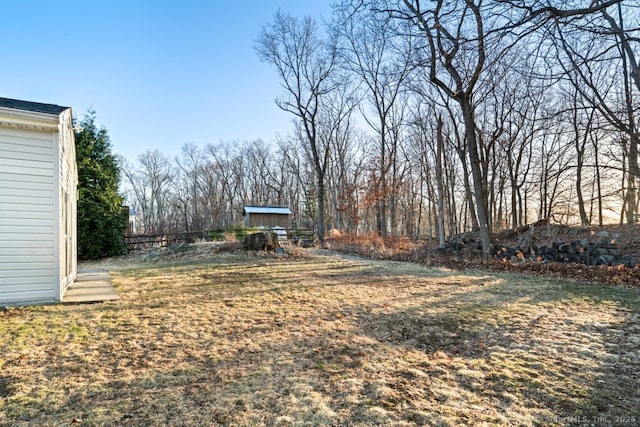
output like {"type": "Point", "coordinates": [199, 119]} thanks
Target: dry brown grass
{"type": "Point", "coordinates": [204, 336]}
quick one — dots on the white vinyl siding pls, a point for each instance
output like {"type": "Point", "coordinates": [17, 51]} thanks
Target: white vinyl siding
{"type": "Point", "coordinates": [27, 215]}
{"type": "Point", "coordinates": [67, 204]}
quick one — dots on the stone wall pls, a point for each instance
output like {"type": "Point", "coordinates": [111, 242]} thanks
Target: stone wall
{"type": "Point", "coordinates": [598, 249]}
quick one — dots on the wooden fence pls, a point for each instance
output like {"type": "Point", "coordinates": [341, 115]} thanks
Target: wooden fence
{"type": "Point", "coordinates": [136, 242]}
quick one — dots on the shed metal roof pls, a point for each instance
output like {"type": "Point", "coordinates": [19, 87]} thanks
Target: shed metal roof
{"type": "Point", "coordinates": [266, 210]}
{"type": "Point", "coordinates": [36, 107]}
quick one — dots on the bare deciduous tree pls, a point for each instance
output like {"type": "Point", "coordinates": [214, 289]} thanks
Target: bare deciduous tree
{"type": "Point", "coordinates": [379, 53]}
{"type": "Point", "coordinates": [455, 57]}
{"type": "Point", "coordinates": [306, 64]}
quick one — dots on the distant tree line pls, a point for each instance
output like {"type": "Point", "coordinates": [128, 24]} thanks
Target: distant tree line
{"type": "Point", "coordinates": [427, 118]}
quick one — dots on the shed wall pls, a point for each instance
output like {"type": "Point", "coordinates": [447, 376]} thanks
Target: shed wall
{"type": "Point", "coordinates": [267, 220]}
{"type": "Point", "coordinates": [27, 216]}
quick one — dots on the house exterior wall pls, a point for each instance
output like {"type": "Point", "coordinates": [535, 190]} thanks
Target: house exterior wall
{"type": "Point", "coordinates": [27, 266]}
{"type": "Point", "coordinates": [67, 202]}
{"type": "Point", "coordinates": [37, 175]}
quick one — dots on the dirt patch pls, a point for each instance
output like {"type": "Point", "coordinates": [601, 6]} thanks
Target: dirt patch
{"type": "Point", "coordinates": [210, 337]}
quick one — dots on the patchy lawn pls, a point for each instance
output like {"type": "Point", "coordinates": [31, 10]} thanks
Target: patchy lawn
{"type": "Point", "coordinates": [203, 337]}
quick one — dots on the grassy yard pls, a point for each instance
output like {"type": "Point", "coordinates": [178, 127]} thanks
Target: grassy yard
{"type": "Point", "coordinates": [205, 337]}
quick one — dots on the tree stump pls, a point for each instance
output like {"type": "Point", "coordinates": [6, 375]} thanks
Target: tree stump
{"type": "Point", "coordinates": [261, 241]}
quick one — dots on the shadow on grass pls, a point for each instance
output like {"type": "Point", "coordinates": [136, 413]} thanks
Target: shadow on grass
{"type": "Point", "coordinates": [260, 344]}
{"type": "Point", "coordinates": [514, 340]}
{"type": "Point", "coordinates": [565, 351]}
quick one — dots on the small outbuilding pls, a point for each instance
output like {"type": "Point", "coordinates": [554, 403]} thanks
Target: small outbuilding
{"type": "Point", "coordinates": [38, 202]}
{"type": "Point", "coordinates": [266, 216]}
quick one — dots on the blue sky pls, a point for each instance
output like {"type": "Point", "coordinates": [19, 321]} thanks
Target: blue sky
{"type": "Point", "coordinates": [158, 73]}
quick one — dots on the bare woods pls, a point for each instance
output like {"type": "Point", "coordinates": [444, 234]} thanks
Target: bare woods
{"type": "Point", "coordinates": [426, 118]}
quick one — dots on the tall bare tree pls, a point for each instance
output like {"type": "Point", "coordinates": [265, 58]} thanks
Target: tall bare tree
{"type": "Point", "coordinates": [597, 54]}
{"type": "Point", "coordinates": [455, 57]}
{"type": "Point", "coordinates": [306, 64]}
{"type": "Point", "coordinates": [150, 184]}
{"type": "Point", "coordinates": [188, 183]}
{"type": "Point", "coordinates": [379, 53]}
{"type": "Point", "coordinates": [337, 127]}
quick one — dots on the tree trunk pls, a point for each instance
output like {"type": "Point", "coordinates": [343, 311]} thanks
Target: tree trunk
{"type": "Point", "coordinates": [468, 192]}
{"type": "Point", "coordinates": [478, 179]}
{"type": "Point", "coordinates": [584, 219]}
{"type": "Point", "coordinates": [382, 191]}
{"type": "Point", "coordinates": [598, 185]}
{"type": "Point", "coordinates": [320, 198]}
{"type": "Point", "coordinates": [631, 180]}
{"type": "Point", "coordinates": [440, 184]}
